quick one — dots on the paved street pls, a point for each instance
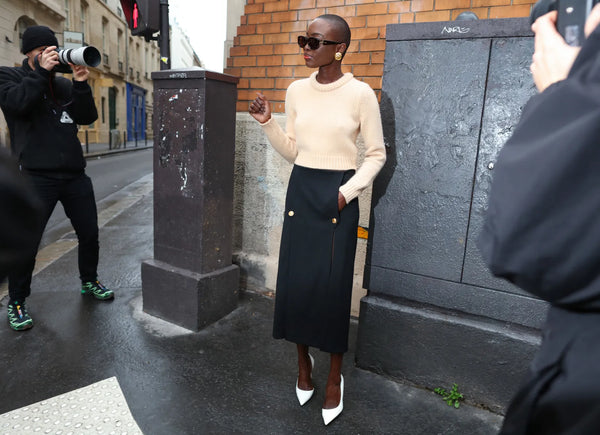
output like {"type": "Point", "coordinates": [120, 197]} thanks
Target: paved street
{"type": "Point", "coordinates": [110, 171]}
{"type": "Point", "coordinates": [231, 377]}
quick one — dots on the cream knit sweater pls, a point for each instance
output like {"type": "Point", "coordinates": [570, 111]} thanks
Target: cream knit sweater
{"type": "Point", "coordinates": [322, 124]}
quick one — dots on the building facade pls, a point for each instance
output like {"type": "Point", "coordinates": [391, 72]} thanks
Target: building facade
{"type": "Point", "coordinates": [121, 84]}
{"type": "Point", "coordinates": [182, 53]}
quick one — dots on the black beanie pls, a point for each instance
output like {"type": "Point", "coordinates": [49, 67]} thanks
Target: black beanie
{"type": "Point", "coordinates": [37, 36]}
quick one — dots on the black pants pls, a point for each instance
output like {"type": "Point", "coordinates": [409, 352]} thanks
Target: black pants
{"type": "Point", "coordinates": [77, 197]}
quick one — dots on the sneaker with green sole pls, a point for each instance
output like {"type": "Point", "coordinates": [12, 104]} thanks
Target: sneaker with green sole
{"type": "Point", "coordinates": [96, 289]}
{"type": "Point", "coordinates": [18, 317]}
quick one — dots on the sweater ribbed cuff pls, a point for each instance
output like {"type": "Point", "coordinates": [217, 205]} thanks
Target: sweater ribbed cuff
{"type": "Point", "coordinates": [349, 192]}
{"type": "Point", "coordinates": [263, 124]}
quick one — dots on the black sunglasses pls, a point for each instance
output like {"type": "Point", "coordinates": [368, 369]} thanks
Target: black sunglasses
{"type": "Point", "coordinates": [314, 43]}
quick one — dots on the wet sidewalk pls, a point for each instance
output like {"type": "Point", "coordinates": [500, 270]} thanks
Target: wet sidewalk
{"type": "Point", "coordinates": [230, 378]}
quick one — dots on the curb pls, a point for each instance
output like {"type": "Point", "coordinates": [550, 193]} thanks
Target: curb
{"type": "Point", "coordinates": [117, 151]}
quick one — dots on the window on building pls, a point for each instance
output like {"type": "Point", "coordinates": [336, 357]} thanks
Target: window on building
{"type": "Point", "coordinates": [104, 35]}
{"type": "Point", "coordinates": [22, 24]}
{"type": "Point", "coordinates": [120, 50]}
{"type": "Point", "coordinates": [119, 37]}
{"type": "Point", "coordinates": [83, 19]}
{"type": "Point", "coordinates": [67, 15]}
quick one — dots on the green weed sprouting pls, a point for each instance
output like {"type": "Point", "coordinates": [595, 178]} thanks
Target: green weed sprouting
{"type": "Point", "coordinates": [452, 397]}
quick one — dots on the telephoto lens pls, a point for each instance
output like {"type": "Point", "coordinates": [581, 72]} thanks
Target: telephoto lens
{"type": "Point", "coordinates": [88, 56]}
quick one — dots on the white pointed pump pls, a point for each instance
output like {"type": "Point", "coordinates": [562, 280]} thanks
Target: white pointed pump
{"type": "Point", "coordinates": [305, 395]}
{"type": "Point", "coordinates": [330, 414]}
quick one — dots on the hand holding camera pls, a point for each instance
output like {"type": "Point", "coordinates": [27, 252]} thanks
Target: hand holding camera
{"type": "Point", "coordinates": [62, 60]}
{"type": "Point", "coordinates": [554, 56]}
{"type": "Point", "coordinates": [76, 58]}
{"type": "Point", "coordinates": [48, 58]}
{"type": "Point", "coordinates": [570, 19]}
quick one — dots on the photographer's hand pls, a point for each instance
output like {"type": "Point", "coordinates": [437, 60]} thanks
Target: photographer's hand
{"type": "Point", "coordinates": [80, 72]}
{"type": "Point", "coordinates": [48, 58]}
{"type": "Point", "coordinates": [553, 57]}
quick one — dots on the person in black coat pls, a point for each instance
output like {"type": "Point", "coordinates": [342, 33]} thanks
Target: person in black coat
{"type": "Point", "coordinates": [542, 231]}
{"type": "Point", "coordinates": [19, 216]}
{"type": "Point", "coordinates": [42, 111]}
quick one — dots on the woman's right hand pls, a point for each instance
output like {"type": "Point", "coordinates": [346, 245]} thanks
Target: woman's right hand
{"type": "Point", "coordinates": [260, 108]}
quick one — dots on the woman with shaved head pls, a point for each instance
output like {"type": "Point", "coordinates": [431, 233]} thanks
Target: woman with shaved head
{"type": "Point", "coordinates": [325, 112]}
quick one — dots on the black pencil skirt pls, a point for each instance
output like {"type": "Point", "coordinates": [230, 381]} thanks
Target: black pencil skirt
{"type": "Point", "coordinates": [316, 261]}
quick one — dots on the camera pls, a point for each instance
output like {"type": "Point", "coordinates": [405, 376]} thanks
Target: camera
{"type": "Point", "coordinates": [88, 56]}
{"type": "Point", "coordinates": [571, 17]}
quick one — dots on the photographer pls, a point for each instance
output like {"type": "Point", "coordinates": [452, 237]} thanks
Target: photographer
{"type": "Point", "coordinates": [42, 112]}
{"type": "Point", "coordinates": [542, 231]}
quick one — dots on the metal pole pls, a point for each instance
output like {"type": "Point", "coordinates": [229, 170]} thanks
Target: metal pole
{"type": "Point", "coordinates": [109, 139]}
{"type": "Point", "coordinates": [87, 143]}
{"type": "Point", "coordinates": [163, 39]}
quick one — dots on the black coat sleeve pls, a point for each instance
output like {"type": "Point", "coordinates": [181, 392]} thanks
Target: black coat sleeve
{"type": "Point", "coordinates": [83, 108]}
{"type": "Point", "coordinates": [19, 95]}
{"type": "Point", "coordinates": [542, 228]}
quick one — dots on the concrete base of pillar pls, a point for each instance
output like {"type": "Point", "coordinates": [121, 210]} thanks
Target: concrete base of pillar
{"type": "Point", "coordinates": [432, 348]}
{"type": "Point", "coordinates": [187, 298]}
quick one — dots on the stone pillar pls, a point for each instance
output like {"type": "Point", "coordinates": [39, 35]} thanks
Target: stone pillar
{"type": "Point", "coordinates": [191, 281]}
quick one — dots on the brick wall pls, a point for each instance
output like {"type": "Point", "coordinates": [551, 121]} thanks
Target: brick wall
{"type": "Point", "coordinates": [266, 57]}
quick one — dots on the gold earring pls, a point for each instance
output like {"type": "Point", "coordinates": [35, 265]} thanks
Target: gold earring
{"type": "Point", "coordinates": [338, 56]}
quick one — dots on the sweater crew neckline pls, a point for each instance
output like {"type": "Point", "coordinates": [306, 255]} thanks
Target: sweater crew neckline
{"type": "Point", "coordinates": [329, 86]}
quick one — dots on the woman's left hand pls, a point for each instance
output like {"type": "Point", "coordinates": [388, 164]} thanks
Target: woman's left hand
{"type": "Point", "coordinates": [341, 201]}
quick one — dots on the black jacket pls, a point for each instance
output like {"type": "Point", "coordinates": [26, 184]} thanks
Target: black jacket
{"type": "Point", "coordinates": [42, 112]}
{"type": "Point", "coordinates": [542, 232]}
